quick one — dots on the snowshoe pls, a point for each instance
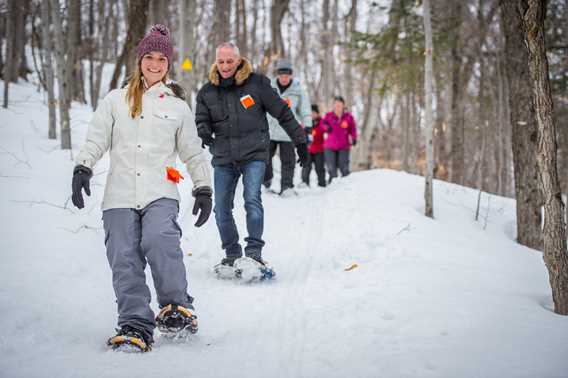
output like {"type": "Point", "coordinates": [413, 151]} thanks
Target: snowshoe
{"type": "Point", "coordinates": [131, 340]}
{"type": "Point", "coordinates": [176, 322]}
{"type": "Point", "coordinates": [225, 269]}
{"type": "Point", "coordinates": [253, 269]}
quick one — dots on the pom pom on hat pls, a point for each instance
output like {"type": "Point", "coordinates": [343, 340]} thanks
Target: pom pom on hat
{"type": "Point", "coordinates": [157, 39]}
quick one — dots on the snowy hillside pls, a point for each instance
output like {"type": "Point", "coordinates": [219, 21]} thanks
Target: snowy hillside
{"type": "Point", "coordinates": [448, 297]}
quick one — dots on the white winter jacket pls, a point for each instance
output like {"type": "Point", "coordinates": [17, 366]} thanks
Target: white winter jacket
{"type": "Point", "coordinates": [142, 148]}
{"type": "Point", "coordinates": [299, 103]}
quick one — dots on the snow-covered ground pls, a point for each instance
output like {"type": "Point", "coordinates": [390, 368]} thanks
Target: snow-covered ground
{"type": "Point", "coordinates": [448, 297]}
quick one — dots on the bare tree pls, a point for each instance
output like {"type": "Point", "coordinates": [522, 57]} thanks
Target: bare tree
{"type": "Point", "coordinates": [276, 49]}
{"type": "Point", "coordinates": [47, 68]}
{"type": "Point", "coordinates": [137, 16]}
{"type": "Point", "coordinates": [524, 132]}
{"type": "Point", "coordinates": [555, 253]}
{"type": "Point", "coordinates": [429, 119]}
{"type": "Point", "coordinates": [62, 75]}
{"type": "Point", "coordinates": [8, 72]}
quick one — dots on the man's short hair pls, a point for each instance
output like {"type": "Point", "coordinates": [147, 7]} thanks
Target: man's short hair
{"type": "Point", "coordinates": [230, 45]}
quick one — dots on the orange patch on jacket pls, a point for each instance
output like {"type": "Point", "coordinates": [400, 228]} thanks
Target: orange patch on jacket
{"type": "Point", "coordinates": [173, 175]}
{"type": "Point", "coordinates": [247, 101]}
{"type": "Point", "coordinates": [288, 102]}
{"type": "Point", "coordinates": [344, 125]}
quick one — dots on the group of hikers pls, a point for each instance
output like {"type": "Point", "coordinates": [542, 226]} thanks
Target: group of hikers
{"type": "Point", "coordinates": [146, 125]}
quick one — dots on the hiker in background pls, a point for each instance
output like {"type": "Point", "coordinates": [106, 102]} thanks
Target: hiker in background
{"type": "Point", "coordinates": [231, 119]}
{"type": "Point", "coordinates": [298, 101]}
{"type": "Point", "coordinates": [342, 134]}
{"type": "Point", "coordinates": [315, 148]}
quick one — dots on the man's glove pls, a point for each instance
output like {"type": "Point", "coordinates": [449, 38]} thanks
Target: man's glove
{"type": "Point", "coordinates": [354, 142]}
{"type": "Point", "coordinates": [203, 204]}
{"type": "Point", "coordinates": [81, 177]}
{"type": "Point", "coordinates": [206, 135]}
{"type": "Point", "coordinates": [302, 150]}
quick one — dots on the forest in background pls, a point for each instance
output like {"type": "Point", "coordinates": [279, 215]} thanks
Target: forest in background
{"type": "Point", "coordinates": [485, 129]}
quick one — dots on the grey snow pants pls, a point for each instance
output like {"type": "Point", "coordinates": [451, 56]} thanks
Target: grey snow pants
{"type": "Point", "coordinates": [134, 238]}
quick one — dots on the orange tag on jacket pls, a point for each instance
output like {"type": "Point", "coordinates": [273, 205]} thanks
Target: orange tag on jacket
{"type": "Point", "coordinates": [247, 101]}
{"type": "Point", "coordinates": [288, 102]}
{"type": "Point", "coordinates": [344, 125]}
{"type": "Point", "coordinates": [173, 175]}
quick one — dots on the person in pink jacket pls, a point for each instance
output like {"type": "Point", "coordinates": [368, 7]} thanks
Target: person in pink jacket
{"type": "Point", "coordinates": [341, 135]}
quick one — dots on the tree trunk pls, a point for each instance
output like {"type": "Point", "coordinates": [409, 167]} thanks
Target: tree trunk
{"type": "Point", "coordinates": [47, 67]}
{"type": "Point", "coordinates": [554, 234]}
{"type": "Point", "coordinates": [276, 48]}
{"type": "Point", "coordinates": [104, 27]}
{"type": "Point", "coordinates": [74, 50]}
{"type": "Point", "coordinates": [137, 16]}
{"type": "Point", "coordinates": [241, 24]}
{"type": "Point", "coordinates": [10, 31]}
{"type": "Point", "coordinates": [456, 119]}
{"type": "Point", "coordinates": [429, 120]}
{"type": "Point", "coordinates": [524, 133]}
{"type": "Point", "coordinates": [187, 42]}
{"type": "Point", "coordinates": [62, 75]}
{"type": "Point", "coordinates": [350, 22]}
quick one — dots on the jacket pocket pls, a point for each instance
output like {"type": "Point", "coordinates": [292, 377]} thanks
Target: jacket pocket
{"type": "Point", "coordinates": [167, 118]}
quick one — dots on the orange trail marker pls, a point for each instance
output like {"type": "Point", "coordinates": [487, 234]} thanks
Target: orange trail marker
{"type": "Point", "coordinates": [351, 267]}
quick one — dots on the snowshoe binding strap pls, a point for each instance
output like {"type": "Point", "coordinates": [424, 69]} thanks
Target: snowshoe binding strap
{"type": "Point", "coordinates": [175, 318]}
{"type": "Point", "coordinates": [119, 341]}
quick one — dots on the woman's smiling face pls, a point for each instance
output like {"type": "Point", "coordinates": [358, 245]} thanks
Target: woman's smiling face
{"type": "Point", "coordinates": [154, 66]}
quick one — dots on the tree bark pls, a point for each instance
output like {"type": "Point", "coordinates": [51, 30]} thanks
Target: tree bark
{"type": "Point", "coordinates": [47, 67]}
{"type": "Point", "coordinates": [137, 16]}
{"type": "Point", "coordinates": [75, 52]}
{"type": "Point", "coordinates": [554, 233]}
{"type": "Point", "coordinates": [429, 119]}
{"type": "Point", "coordinates": [276, 48]}
{"type": "Point", "coordinates": [62, 75]}
{"type": "Point", "coordinates": [10, 31]}
{"type": "Point", "coordinates": [524, 129]}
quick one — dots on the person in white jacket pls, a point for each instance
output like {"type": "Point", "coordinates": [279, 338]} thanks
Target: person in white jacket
{"type": "Point", "coordinates": [145, 127]}
{"type": "Point", "coordinates": [290, 89]}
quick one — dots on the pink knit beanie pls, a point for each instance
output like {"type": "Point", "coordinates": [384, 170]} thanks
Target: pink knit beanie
{"type": "Point", "coordinates": [157, 39]}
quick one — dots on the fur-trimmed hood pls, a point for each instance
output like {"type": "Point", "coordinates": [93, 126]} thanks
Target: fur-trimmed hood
{"type": "Point", "coordinates": [243, 72]}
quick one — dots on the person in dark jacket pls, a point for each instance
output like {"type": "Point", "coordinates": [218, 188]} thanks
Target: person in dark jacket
{"type": "Point", "coordinates": [315, 136]}
{"type": "Point", "coordinates": [231, 119]}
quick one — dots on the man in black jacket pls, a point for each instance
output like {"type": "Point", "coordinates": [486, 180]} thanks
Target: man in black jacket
{"type": "Point", "coordinates": [231, 119]}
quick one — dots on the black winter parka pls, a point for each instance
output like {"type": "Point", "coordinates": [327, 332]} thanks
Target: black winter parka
{"type": "Point", "coordinates": [239, 125]}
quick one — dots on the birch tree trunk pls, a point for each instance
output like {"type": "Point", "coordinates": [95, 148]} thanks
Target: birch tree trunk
{"type": "Point", "coordinates": [554, 233]}
{"type": "Point", "coordinates": [186, 45]}
{"type": "Point", "coordinates": [48, 69]}
{"type": "Point", "coordinates": [429, 119]}
{"type": "Point", "coordinates": [62, 75]}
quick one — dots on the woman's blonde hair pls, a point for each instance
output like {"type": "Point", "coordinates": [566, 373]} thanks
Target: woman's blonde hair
{"type": "Point", "coordinates": [135, 90]}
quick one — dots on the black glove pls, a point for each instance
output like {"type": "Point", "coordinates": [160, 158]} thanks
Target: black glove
{"type": "Point", "coordinates": [204, 203]}
{"type": "Point", "coordinates": [302, 150]}
{"type": "Point", "coordinates": [354, 142]}
{"type": "Point", "coordinates": [204, 132]}
{"type": "Point", "coordinates": [81, 177]}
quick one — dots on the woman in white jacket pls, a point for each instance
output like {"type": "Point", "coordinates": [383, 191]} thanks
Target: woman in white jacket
{"type": "Point", "coordinates": [145, 127]}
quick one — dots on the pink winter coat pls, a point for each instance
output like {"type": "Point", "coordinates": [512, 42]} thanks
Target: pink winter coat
{"type": "Point", "coordinates": [339, 130]}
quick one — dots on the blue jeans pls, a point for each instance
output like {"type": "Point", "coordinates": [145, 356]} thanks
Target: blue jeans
{"type": "Point", "coordinates": [225, 182]}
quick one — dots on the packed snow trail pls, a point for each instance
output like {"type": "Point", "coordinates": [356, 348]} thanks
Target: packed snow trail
{"type": "Point", "coordinates": [448, 297]}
